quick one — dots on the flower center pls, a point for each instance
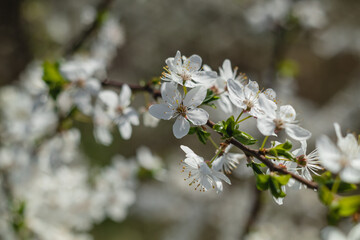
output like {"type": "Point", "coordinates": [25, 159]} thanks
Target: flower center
{"type": "Point", "coordinates": [185, 76]}
{"type": "Point", "coordinates": [80, 83]}
{"type": "Point", "coordinates": [301, 160]}
{"type": "Point", "coordinates": [119, 109]}
{"type": "Point", "coordinates": [181, 110]}
{"type": "Point", "coordinates": [249, 104]}
{"type": "Point", "coordinates": [279, 124]}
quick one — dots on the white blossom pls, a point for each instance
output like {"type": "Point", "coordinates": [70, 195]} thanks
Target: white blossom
{"type": "Point", "coordinates": [247, 97]}
{"type": "Point", "coordinates": [183, 108]}
{"type": "Point", "coordinates": [187, 72]}
{"type": "Point", "coordinates": [276, 119]}
{"type": "Point", "coordinates": [307, 163]}
{"type": "Point", "coordinates": [227, 162]}
{"type": "Point", "coordinates": [343, 158]}
{"type": "Point", "coordinates": [82, 85]}
{"type": "Point", "coordinates": [200, 174]}
{"type": "Point", "coordinates": [118, 110]}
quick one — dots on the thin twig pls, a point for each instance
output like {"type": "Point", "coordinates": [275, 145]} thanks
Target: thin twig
{"type": "Point", "coordinates": [134, 87]}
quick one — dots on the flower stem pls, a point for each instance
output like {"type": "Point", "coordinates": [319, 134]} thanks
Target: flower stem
{"type": "Point", "coordinates": [216, 155]}
{"type": "Point", "coordinates": [243, 119]}
{"type": "Point", "coordinates": [263, 143]}
{"type": "Point", "coordinates": [336, 184]}
{"type": "Point", "coordinates": [237, 119]}
{"type": "Point", "coordinates": [213, 142]}
{"type": "Point", "coordinates": [185, 90]}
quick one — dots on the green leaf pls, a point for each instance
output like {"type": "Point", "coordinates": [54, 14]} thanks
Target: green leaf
{"type": "Point", "coordinates": [262, 181]}
{"type": "Point", "coordinates": [203, 135]}
{"type": "Point", "coordinates": [283, 150]}
{"type": "Point", "coordinates": [275, 188]}
{"type": "Point", "coordinates": [348, 205]}
{"type": "Point", "coordinates": [256, 167]}
{"type": "Point", "coordinates": [53, 78]}
{"type": "Point", "coordinates": [325, 195]}
{"type": "Point", "coordinates": [192, 130]}
{"type": "Point", "coordinates": [244, 137]}
{"type": "Point", "coordinates": [210, 97]}
{"type": "Point", "coordinates": [327, 179]}
{"type": "Point", "coordinates": [283, 179]}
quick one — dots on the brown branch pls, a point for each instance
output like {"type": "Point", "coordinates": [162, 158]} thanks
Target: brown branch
{"type": "Point", "coordinates": [134, 87]}
{"type": "Point", "coordinates": [249, 152]}
{"type": "Point", "coordinates": [260, 156]}
{"type": "Point", "coordinates": [76, 44]}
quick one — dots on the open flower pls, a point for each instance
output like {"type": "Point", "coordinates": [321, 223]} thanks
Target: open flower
{"type": "Point", "coordinates": [187, 72]}
{"type": "Point", "coordinates": [247, 97]}
{"type": "Point", "coordinates": [276, 119]}
{"type": "Point", "coordinates": [307, 163]}
{"type": "Point", "coordinates": [343, 158]}
{"type": "Point", "coordinates": [200, 174]}
{"type": "Point", "coordinates": [82, 85]}
{"type": "Point", "coordinates": [184, 109]}
{"type": "Point", "coordinates": [226, 161]}
{"type": "Point", "coordinates": [116, 107]}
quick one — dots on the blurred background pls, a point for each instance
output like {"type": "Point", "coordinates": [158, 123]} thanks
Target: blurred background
{"type": "Point", "coordinates": [308, 51]}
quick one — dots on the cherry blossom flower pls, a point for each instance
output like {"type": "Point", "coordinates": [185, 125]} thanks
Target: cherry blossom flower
{"type": "Point", "coordinates": [187, 72]}
{"type": "Point", "coordinates": [82, 85]}
{"type": "Point", "coordinates": [117, 109]}
{"type": "Point", "coordinates": [344, 158]}
{"type": "Point", "coordinates": [183, 108]}
{"type": "Point", "coordinates": [307, 163]}
{"type": "Point", "coordinates": [200, 174]}
{"type": "Point", "coordinates": [276, 119]}
{"type": "Point", "coordinates": [227, 162]}
{"type": "Point", "coordinates": [247, 97]}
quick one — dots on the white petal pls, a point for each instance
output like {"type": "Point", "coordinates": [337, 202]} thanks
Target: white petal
{"type": "Point", "coordinates": [181, 127]}
{"type": "Point", "coordinates": [350, 175]}
{"type": "Point", "coordinates": [236, 91]}
{"type": "Point", "coordinates": [110, 98]}
{"type": "Point", "coordinates": [329, 154]}
{"type": "Point", "coordinates": [132, 116]}
{"type": "Point", "coordinates": [170, 94]}
{"type": "Point", "coordinates": [161, 111]}
{"type": "Point", "coordinates": [124, 96]}
{"type": "Point", "coordinates": [279, 201]}
{"type": "Point", "coordinates": [189, 153]}
{"type": "Point", "coordinates": [355, 233]}
{"type": "Point", "coordinates": [195, 97]}
{"type": "Point", "coordinates": [224, 104]}
{"type": "Point", "coordinates": [266, 126]}
{"type": "Point", "coordinates": [193, 63]}
{"type": "Point", "coordinates": [251, 89]}
{"type": "Point", "coordinates": [226, 71]}
{"type": "Point", "coordinates": [296, 132]}
{"type": "Point", "coordinates": [103, 135]}
{"type": "Point", "coordinates": [125, 130]}
{"type": "Point", "coordinates": [287, 113]}
{"type": "Point", "coordinates": [332, 233]}
{"type": "Point", "coordinates": [222, 177]}
{"type": "Point", "coordinates": [93, 86]}
{"type": "Point", "coordinates": [197, 116]}
{"type": "Point", "coordinates": [267, 106]}
{"type": "Point", "coordinates": [204, 78]}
